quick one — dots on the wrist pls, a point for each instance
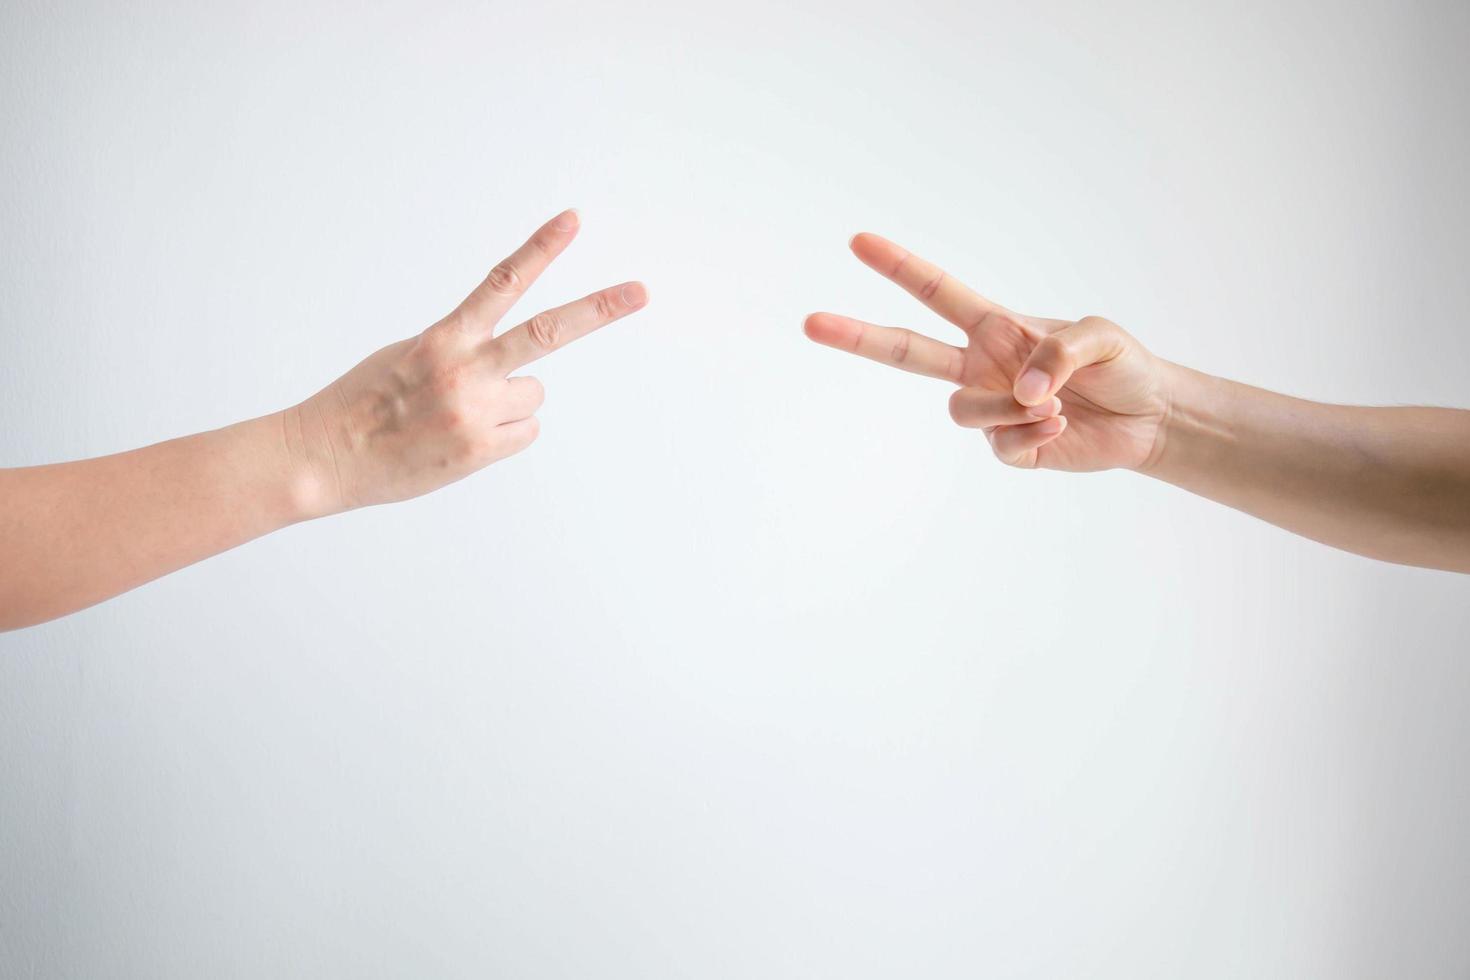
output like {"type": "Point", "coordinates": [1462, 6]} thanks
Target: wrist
{"type": "Point", "coordinates": [1192, 421]}
{"type": "Point", "coordinates": [307, 482]}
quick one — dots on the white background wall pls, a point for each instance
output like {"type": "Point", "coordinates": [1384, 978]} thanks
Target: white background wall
{"type": "Point", "coordinates": [754, 666]}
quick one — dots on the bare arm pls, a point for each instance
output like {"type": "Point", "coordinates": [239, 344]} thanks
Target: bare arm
{"type": "Point", "coordinates": [74, 534]}
{"type": "Point", "coordinates": [412, 417]}
{"type": "Point", "coordinates": [1390, 483]}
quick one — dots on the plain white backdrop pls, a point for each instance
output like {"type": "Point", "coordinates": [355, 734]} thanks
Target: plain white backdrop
{"type": "Point", "coordinates": [754, 665]}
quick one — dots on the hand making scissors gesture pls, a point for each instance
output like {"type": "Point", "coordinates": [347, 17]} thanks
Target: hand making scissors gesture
{"type": "Point", "coordinates": [1060, 394]}
{"type": "Point", "coordinates": [414, 416]}
{"type": "Point", "coordinates": [438, 406]}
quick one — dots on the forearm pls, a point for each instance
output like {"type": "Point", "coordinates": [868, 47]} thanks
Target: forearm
{"type": "Point", "coordinates": [73, 534]}
{"type": "Point", "coordinates": [1389, 483]}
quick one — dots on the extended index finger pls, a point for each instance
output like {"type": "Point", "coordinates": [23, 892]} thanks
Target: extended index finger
{"type": "Point", "coordinates": [505, 284]}
{"type": "Point", "coordinates": [931, 285]}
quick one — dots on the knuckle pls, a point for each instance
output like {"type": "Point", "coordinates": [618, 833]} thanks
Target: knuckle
{"type": "Point", "coordinates": [1053, 348]}
{"type": "Point", "coordinates": [1113, 335]}
{"type": "Point", "coordinates": [448, 380]}
{"type": "Point", "coordinates": [930, 287]}
{"type": "Point", "coordinates": [545, 329]}
{"type": "Point", "coordinates": [1002, 444]}
{"type": "Point", "coordinates": [957, 410]}
{"type": "Point", "coordinates": [454, 418]}
{"type": "Point", "coordinates": [955, 369]}
{"type": "Point", "coordinates": [603, 305]}
{"type": "Point", "coordinates": [504, 279]}
{"type": "Point", "coordinates": [901, 344]}
{"type": "Point", "coordinates": [537, 393]}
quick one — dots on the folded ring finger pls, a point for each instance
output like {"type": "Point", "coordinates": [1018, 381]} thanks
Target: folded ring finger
{"type": "Point", "coordinates": [979, 408]}
{"type": "Point", "coordinates": [1016, 445]}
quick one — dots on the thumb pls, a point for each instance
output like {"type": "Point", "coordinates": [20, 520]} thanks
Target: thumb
{"type": "Point", "coordinates": [1059, 355]}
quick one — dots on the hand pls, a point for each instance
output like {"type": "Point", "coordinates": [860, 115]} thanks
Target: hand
{"type": "Point", "coordinates": [435, 408]}
{"type": "Point", "coordinates": [1059, 394]}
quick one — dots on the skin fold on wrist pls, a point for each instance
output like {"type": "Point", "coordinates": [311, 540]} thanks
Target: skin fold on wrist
{"type": "Point", "coordinates": [1184, 412]}
{"type": "Point", "coordinates": [309, 479]}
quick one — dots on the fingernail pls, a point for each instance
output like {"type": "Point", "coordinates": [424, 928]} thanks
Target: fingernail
{"type": "Point", "coordinates": [567, 220]}
{"type": "Point", "coordinates": [1032, 386]}
{"type": "Point", "coordinates": [634, 294]}
{"type": "Point", "coordinates": [1046, 409]}
{"type": "Point", "coordinates": [1051, 426]}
